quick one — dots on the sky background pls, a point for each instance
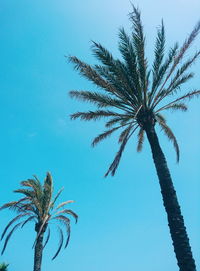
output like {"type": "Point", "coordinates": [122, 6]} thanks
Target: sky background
{"type": "Point", "coordinates": [122, 224]}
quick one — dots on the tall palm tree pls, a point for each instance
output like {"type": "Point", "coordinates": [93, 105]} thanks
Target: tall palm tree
{"type": "Point", "coordinates": [38, 205]}
{"type": "Point", "coordinates": [137, 95]}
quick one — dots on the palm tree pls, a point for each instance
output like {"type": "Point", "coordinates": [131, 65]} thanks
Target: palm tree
{"type": "Point", "coordinates": [4, 267]}
{"type": "Point", "coordinates": [38, 205]}
{"type": "Point", "coordinates": [137, 96]}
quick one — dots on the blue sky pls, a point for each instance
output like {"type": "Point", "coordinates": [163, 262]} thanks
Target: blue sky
{"type": "Point", "coordinates": [122, 224]}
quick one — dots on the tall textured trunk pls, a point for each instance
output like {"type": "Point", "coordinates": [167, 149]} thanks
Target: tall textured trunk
{"type": "Point", "coordinates": [38, 253]}
{"type": "Point", "coordinates": [176, 225]}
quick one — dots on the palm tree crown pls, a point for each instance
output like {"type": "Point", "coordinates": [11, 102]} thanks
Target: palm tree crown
{"type": "Point", "coordinates": [38, 205]}
{"type": "Point", "coordinates": [137, 94]}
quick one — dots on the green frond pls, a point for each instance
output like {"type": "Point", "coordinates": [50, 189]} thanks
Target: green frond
{"type": "Point", "coordinates": [102, 54]}
{"type": "Point", "coordinates": [161, 74]}
{"type": "Point", "coordinates": [160, 118]}
{"type": "Point", "coordinates": [139, 48]}
{"type": "Point", "coordinates": [123, 134]}
{"type": "Point", "coordinates": [9, 236]}
{"type": "Point", "coordinates": [60, 243]}
{"type": "Point", "coordinates": [186, 45]}
{"type": "Point", "coordinates": [168, 132]}
{"type": "Point", "coordinates": [47, 193]}
{"type": "Point", "coordinates": [176, 84]}
{"type": "Point", "coordinates": [159, 52]}
{"type": "Point", "coordinates": [113, 167]}
{"type": "Point", "coordinates": [179, 56]}
{"type": "Point", "coordinates": [88, 72]}
{"type": "Point", "coordinates": [94, 115]}
{"type": "Point", "coordinates": [69, 212]}
{"type": "Point", "coordinates": [28, 220]}
{"type": "Point", "coordinates": [118, 80]}
{"type": "Point", "coordinates": [64, 204]}
{"type": "Point", "coordinates": [26, 192]}
{"type": "Point", "coordinates": [18, 217]}
{"type": "Point", "coordinates": [47, 238]}
{"type": "Point", "coordinates": [101, 100]}
{"type": "Point", "coordinates": [56, 197]}
{"type": "Point", "coordinates": [104, 135]}
{"type": "Point", "coordinates": [115, 120]}
{"type": "Point", "coordinates": [129, 56]}
{"type": "Point", "coordinates": [188, 96]}
{"type": "Point", "coordinates": [8, 205]}
{"type": "Point", "coordinates": [64, 220]}
{"type": "Point", "coordinates": [140, 140]}
{"type": "Point", "coordinates": [176, 106]}
{"type": "Point", "coordinates": [114, 71]}
{"type": "Point", "coordinates": [179, 79]}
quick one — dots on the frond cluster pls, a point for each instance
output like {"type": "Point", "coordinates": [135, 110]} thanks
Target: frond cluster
{"type": "Point", "coordinates": [38, 205]}
{"type": "Point", "coordinates": [132, 94]}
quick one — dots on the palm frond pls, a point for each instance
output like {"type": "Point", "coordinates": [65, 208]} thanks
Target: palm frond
{"type": "Point", "coordinates": [160, 118]}
{"type": "Point", "coordinates": [168, 132]}
{"type": "Point", "coordinates": [94, 115]}
{"type": "Point", "coordinates": [47, 193]}
{"type": "Point", "coordinates": [9, 236]}
{"type": "Point", "coordinates": [63, 204]}
{"type": "Point", "coordinates": [124, 132]}
{"type": "Point", "coordinates": [140, 140]}
{"type": "Point", "coordinates": [113, 167]}
{"type": "Point", "coordinates": [101, 100]}
{"type": "Point", "coordinates": [114, 71]}
{"type": "Point", "coordinates": [187, 96]}
{"type": "Point", "coordinates": [26, 192]}
{"type": "Point", "coordinates": [11, 222]}
{"type": "Point", "coordinates": [122, 90]}
{"type": "Point", "coordinates": [115, 120]}
{"type": "Point", "coordinates": [88, 72]}
{"type": "Point", "coordinates": [182, 51]}
{"type": "Point", "coordinates": [47, 238]}
{"type": "Point", "coordinates": [104, 135]}
{"type": "Point", "coordinates": [127, 51]}
{"type": "Point", "coordinates": [56, 197]}
{"type": "Point", "coordinates": [139, 48]}
{"type": "Point", "coordinates": [63, 219]}
{"type": "Point", "coordinates": [70, 212]}
{"type": "Point", "coordinates": [175, 106]}
{"type": "Point", "coordinates": [28, 220]}
{"type": "Point", "coordinates": [60, 243]}
{"type": "Point", "coordinates": [159, 53]}
{"type": "Point", "coordinates": [161, 74]}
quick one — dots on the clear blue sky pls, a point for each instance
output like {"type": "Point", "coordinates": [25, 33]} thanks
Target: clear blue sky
{"type": "Point", "coordinates": [122, 224]}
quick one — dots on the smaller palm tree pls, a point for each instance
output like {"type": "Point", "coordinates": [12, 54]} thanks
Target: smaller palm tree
{"type": "Point", "coordinates": [38, 205]}
{"type": "Point", "coordinates": [4, 267]}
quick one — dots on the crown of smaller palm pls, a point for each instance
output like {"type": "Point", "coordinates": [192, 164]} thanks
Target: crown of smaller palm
{"type": "Point", "coordinates": [136, 94]}
{"type": "Point", "coordinates": [38, 206]}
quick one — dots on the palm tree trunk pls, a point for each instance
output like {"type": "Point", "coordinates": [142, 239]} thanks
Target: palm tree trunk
{"type": "Point", "coordinates": [176, 225]}
{"type": "Point", "coordinates": [38, 253]}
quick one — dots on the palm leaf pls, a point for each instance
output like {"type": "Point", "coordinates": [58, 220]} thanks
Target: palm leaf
{"type": "Point", "coordinates": [140, 139]}
{"type": "Point", "coordinates": [11, 222]}
{"type": "Point", "coordinates": [48, 237]}
{"type": "Point", "coordinates": [60, 243]}
{"type": "Point", "coordinates": [104, 135]}
{"type": "Point", "coordinates": [93, 115]}
{"type": "Point", "coordinates": [70, 212]}
{"type": "Point", "coordinates": [9, 236]}
{"type": "Point", "coordinates": [113, 167]}
{"type": "Point", "coordinates": [168, 132]}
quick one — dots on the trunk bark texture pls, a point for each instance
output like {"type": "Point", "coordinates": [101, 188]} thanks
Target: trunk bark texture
{"type": "Point", "coordinates": [176, 225]}
{"type": "Point", "coordinates": [38, 253]}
